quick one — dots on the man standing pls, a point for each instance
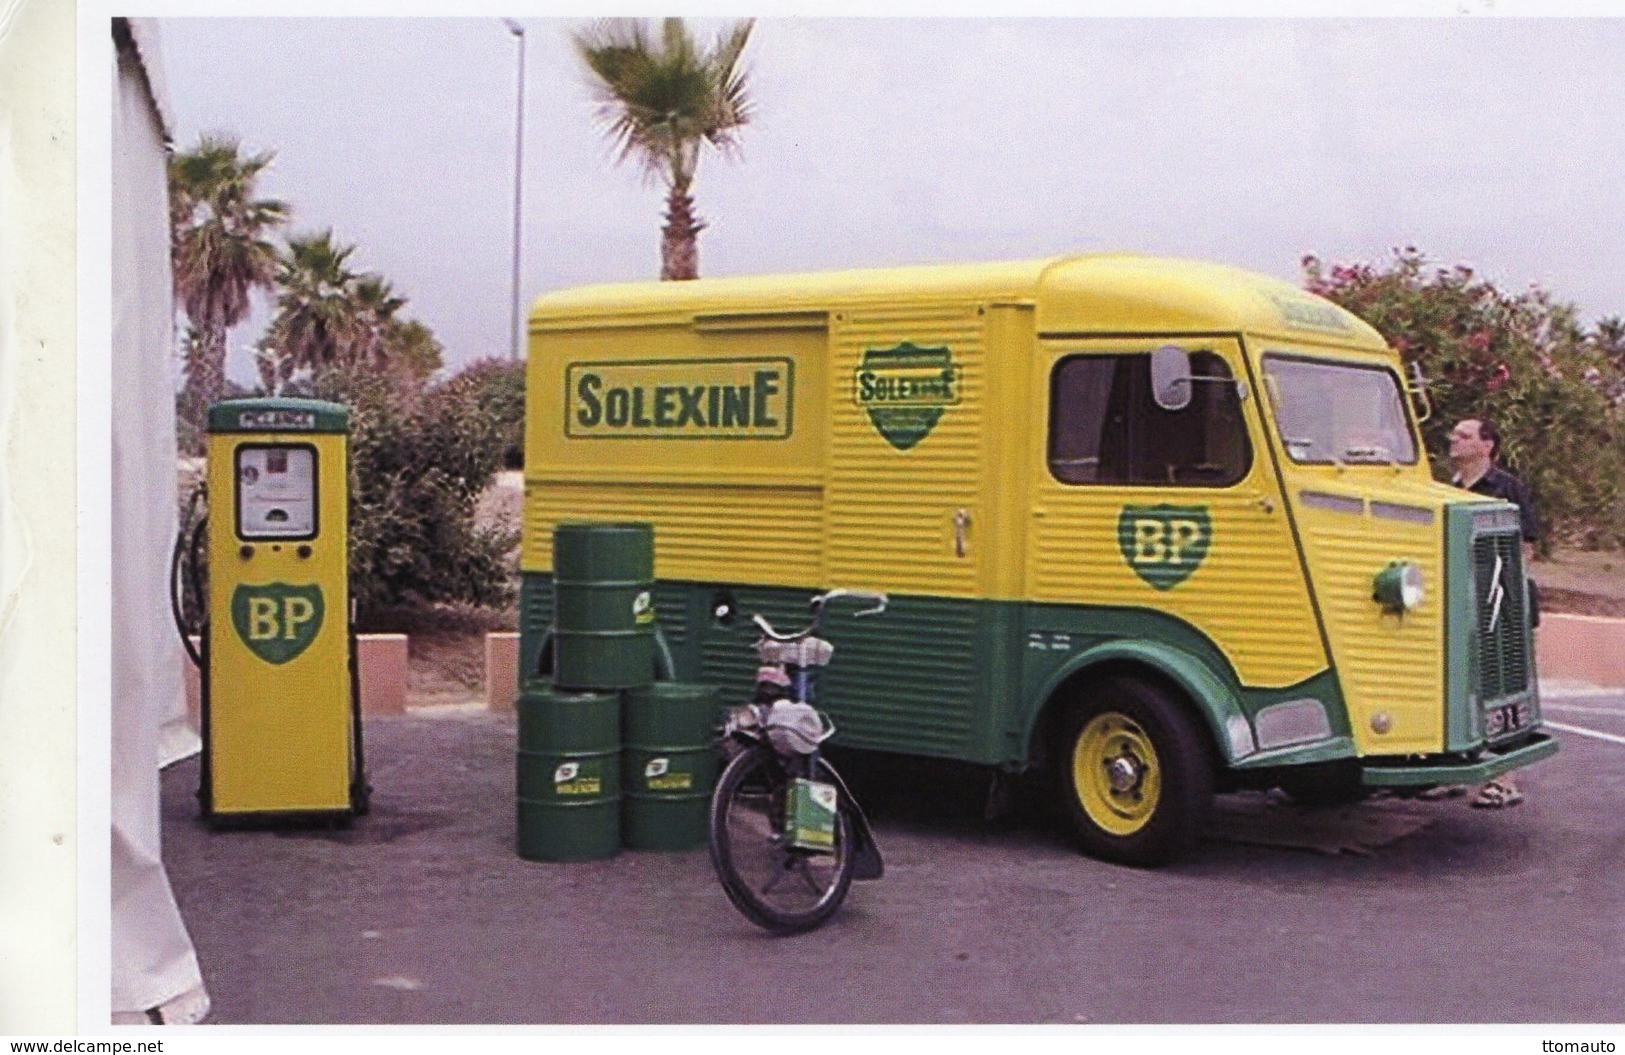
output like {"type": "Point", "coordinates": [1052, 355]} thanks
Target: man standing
{"type": "Point", "coordinates": [1475, 447]}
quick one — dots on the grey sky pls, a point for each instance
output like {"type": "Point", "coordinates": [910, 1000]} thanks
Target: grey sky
{"type": "Point", "coordinates": [1495, 143]}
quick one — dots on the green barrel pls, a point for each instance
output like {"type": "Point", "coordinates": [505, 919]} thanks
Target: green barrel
{"type": "Point", "coordinates": [569, 775]}
{"type": "Point", "coordinates": [603, 606]}
{"type": "Point", "coordinates": [668, 765]}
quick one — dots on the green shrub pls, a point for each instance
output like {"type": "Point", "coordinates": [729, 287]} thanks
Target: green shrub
{"type": "Point", "coordinates": [192, 418]}
{"type": "Point", "coordinates": [497, 387]}
{"type": "Point", "coordinates": [1523, 361]}
{"type": "Point", "coordinates": [419, 458]}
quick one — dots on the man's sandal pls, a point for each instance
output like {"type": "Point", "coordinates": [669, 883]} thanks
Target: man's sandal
{"type": "Point", "coordinates": [1496, 795]}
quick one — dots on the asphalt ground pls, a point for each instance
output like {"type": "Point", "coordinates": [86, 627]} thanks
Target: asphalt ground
{"type": "Point", "coordinates": [1385, 912]}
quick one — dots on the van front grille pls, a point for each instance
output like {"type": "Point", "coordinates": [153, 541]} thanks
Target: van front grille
{"type": "Point", "coordinates": [1503, 639]}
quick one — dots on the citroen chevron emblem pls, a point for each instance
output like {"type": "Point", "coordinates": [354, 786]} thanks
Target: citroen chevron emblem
{"type": "Point", "coordinates": [1497, 594]}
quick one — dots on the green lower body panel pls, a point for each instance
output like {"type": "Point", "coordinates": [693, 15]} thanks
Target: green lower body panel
{"type": "Point", "coordinates": [1490, 766]}
{"type": "Point", "coordinates": [926, 678]}
{"type": "Point", "coordinates": [937, 677]}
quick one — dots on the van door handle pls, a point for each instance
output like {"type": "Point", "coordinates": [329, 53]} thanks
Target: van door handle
{"type": "Point", "coordinates": [961, 529]}
{"type": "Point", "coordinates": [1264, 502]}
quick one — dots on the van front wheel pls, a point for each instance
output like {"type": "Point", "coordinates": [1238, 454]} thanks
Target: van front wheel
{"type": "Point", "coordinates": [1135, 774]}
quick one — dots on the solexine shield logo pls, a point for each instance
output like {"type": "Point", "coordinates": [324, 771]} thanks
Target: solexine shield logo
{"type": "Point", "coordinates": [905, 389]}
{"type": "Point", "coordinates": [277, 621]}
{"type": "Point", "coordinates": [1164, 544]}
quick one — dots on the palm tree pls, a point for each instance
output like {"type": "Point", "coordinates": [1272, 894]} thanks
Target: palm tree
{"type": "Point", "coordinates": [273, 366]}
{"type": "Point", "coordinates": [661, 103]}
{"type": "Point", "coordinates": [316, 319]}
{"type": "Point", "coordinates": [414, 348]}
{"type": "Point", "coordinates": [328, 315]}
{"type": "Point", "coordinates": [218, 249]}
{"type": "Point", "coordinates": [375, 304]}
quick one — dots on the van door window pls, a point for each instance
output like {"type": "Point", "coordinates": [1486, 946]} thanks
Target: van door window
{"type": "Point", "coordinates": [1106, 429]}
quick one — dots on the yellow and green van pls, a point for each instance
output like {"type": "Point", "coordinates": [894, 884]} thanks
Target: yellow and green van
{"type": "Point", "coordinates": [1159, 528]}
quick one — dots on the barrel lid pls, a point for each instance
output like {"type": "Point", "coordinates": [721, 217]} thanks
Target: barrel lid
{"type": "Point", "coordinates": [596, 526]}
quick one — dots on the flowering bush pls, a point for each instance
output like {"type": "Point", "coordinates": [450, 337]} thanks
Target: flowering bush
{"type": "Point", "coordinates": [419, 458]}
{"type": "Point", "coordinates": [1555, 389]}
{"type": "Point", "coordinates": [497, 387]}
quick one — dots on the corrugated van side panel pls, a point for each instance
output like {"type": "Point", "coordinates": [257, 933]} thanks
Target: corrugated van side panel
{"type": "Point", "coordinates": [901, 469]}
{"type": "Point", "coordinates": [736, 499]}
{"type": "Point", "coordinates": [766, 535]}
{"type": "Point", "coordinates": [891, 504]}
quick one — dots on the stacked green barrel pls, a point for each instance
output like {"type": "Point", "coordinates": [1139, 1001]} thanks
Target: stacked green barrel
{"type": "Point", "coordinates": [668, 765]}
{"type": "Point", "coordinates": [569, 775]}
{"type": "Point", "coordinates": [607, 754]}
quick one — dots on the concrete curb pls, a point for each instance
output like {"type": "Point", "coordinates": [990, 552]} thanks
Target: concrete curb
{"type": "Point", "coordinates": [501, 671]}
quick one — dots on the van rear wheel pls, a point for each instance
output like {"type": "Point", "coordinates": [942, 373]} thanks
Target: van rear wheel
{"type": "Point", "coordinates": [1135, 774]}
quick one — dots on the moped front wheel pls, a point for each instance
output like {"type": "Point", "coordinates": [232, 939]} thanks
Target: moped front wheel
{"type": "Point", "coordinates": [775, 884]}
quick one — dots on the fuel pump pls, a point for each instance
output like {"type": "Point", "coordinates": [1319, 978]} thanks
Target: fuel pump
{"type": "Point", "coordinates": [281, 710]}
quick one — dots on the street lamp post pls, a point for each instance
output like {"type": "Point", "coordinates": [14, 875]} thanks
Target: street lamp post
{"type": "Point", "coordinates": [518, 32]}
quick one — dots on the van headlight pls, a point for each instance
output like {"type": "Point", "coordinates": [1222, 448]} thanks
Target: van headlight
{"type": "Point", "coordinates": [1398, 587]}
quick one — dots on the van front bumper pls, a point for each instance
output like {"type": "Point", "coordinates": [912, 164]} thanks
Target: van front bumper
{"type": "Point", "coordinates": [1427, 773]}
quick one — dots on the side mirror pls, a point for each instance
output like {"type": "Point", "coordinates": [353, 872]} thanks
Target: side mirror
{"type": "Point", "coordinates": [1171, 377]}
{"type": "Point", "coordinates": [1421, 402]}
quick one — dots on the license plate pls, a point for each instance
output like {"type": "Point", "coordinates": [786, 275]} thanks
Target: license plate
{"type": "Point", "coordinates": [1507, 718]}
{"type": "Point", "coordinates": [812, 815]}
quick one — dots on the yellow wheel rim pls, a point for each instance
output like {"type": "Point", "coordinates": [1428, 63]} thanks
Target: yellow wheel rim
{"type": "Point", "coordinates": [1115, 773]}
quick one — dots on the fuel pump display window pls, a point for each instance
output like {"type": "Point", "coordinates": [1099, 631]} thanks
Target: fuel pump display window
{"type": "Point", "coordinates": [276, 491]}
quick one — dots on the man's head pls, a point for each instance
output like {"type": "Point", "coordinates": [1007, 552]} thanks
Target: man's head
{"type": "Point", "coordinates": [1474, 441]}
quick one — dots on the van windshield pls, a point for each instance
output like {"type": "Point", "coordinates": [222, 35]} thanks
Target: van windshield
{"type": "Point", "coordinates": [1339, 413]}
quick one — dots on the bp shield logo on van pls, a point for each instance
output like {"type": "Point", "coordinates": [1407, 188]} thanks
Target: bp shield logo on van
{"type": "Point", "coordinates": [277, 621]}
{"type": "Point", "coordinates": [1164, 544]}
{"type": "Point", "coordinates": [905, 389]}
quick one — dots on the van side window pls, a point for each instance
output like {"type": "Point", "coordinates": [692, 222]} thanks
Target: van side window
{"type": "Point", "coordinates": [1106, 429]}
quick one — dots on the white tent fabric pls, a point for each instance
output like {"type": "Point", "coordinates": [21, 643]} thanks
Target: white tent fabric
{"type": "Point", "coordinates": [38, 840]}
{"type": "Point", "coordinates": [154, 966]}
{"type": "Point", "coordinates": [177, 738]}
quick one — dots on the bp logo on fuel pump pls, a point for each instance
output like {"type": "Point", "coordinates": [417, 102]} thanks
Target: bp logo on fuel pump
{"type": "Point", "coordinates": [1164, 544]}
{"type": "Point", "coordinates": [275, 620]}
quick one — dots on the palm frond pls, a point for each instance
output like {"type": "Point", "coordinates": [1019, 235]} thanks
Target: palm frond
{"type": "Point", "coordinates": [655, 103]}
{"type": "Point", "coordinates": [732, 77]}
{"type": "Point", "coordinates": [218, 246]}
{"type": "Point", "coordinates": [660, 104]}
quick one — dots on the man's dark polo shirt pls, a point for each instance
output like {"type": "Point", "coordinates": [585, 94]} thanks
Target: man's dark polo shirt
{"type": "Point", "coordinates": [1498, 483]}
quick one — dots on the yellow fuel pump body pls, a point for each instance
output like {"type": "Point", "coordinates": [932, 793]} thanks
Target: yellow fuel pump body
{"type": "Point", "coordinates": [281, 729]}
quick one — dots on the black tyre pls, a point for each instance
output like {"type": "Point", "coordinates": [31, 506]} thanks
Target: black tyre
{"type": "Point", "coordinates": [1324, 786]}
{"type": "Point", "coordinates": [776, 886]}
{"type": "Point", "coordinates": [1135, 773]}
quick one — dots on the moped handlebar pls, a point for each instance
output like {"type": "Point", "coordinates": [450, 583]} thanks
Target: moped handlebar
{"type": "Point", "coordinates": [877, 597]}
{"type": "Point", "coordinates": [818, 604]}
